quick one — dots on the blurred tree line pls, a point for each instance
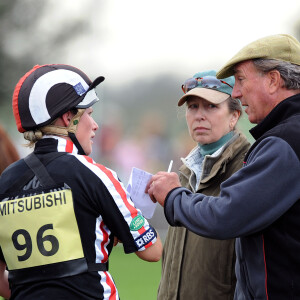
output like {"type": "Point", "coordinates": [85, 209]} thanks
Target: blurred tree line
{"type": "Point", "coordinates": [25, 40]}
{"type": "Point", "coordinates": [9, 66]}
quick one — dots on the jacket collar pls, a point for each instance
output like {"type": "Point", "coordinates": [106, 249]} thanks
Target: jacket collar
{"type": "Point", "coordinates": [218, 166]}
{"type": "Point", "coordinates": [51, 143]}
{"type": "Point", "coordinates": [218, 163]}
{"type": "Point", "coordinates": [280, 112]}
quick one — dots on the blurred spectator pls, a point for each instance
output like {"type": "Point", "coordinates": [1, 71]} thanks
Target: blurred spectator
{"type": "Point", "coordinates": [8, 155]}
{"type": "Point", "coordinates": [8, 152]}
{"type": "Point", "coordinates": [155, 142]}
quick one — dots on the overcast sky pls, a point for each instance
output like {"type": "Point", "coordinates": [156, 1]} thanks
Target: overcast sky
{"type": "Point", "coordinates": [137, 38]}
{"type": "Point", "coordinates": [134, 39]}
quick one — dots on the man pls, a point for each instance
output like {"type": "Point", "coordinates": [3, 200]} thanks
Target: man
{"type": "Point", "coordinates": [260, 203]}
{"type": "Point", "coordinates": [60, 211]}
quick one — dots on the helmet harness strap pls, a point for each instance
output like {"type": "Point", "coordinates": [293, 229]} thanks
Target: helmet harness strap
{"type": "Point", "coordinates": [67, 131]}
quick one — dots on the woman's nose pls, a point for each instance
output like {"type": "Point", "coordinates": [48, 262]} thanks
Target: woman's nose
{"type": "Point", "coordinates": [96, 126]}
{"type": "Point", "coordinates": [200, 114]}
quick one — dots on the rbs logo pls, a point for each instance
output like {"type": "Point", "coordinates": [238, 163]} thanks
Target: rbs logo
{"type": "Point", "coordinates": [145, 238]}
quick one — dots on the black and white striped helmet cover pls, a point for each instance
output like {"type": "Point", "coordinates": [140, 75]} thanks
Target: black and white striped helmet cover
{"type": "Point", "coordinates": [46, 92]}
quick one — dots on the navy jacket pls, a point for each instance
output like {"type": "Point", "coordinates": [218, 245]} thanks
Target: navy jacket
{"type": "Point", "coordinates": [260, 205]}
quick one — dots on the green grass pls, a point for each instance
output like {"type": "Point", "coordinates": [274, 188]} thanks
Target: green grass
{"type": "Point", "coordinates": [135, 279]}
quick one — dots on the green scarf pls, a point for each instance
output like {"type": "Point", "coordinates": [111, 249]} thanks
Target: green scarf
{"type": "Point", "coordinates": [209, 149]}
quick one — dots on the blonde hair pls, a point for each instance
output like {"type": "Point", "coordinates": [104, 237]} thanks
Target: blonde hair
{"type": "Point", "coordinates": [32, 137]}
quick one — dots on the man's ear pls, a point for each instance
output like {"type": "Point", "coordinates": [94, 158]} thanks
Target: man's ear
{"type": "Point", "coordinates": [275, 81]}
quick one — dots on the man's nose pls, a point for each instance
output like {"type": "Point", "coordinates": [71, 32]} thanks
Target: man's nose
{"type": "Point", "coordinates": [236, 92]}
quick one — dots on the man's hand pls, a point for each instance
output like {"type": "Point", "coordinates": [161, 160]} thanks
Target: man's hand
{"type": "Point", "coordinates": [160, 185]}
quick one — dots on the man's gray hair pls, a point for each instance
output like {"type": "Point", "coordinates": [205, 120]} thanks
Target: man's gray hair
{"type": "Point", "coordinates": [290, 73]}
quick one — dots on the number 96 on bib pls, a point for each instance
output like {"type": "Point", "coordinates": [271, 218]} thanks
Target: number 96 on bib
{"type": "Point", "coordinates": [39, 230]}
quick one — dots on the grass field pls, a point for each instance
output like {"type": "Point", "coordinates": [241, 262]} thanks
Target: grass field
{"type": "Point", "coordinates": [135, 279]}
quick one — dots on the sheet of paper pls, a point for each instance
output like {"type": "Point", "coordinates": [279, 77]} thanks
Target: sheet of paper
{"type": "Point", "coordinates": [136, 188]}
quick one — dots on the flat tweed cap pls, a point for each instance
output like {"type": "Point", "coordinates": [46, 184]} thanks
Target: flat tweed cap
{"type": "Point", "coordinates": [281, 47]}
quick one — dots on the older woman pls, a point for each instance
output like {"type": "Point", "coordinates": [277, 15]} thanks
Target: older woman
{"type": "Point", "coordinates": [196, 267]}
